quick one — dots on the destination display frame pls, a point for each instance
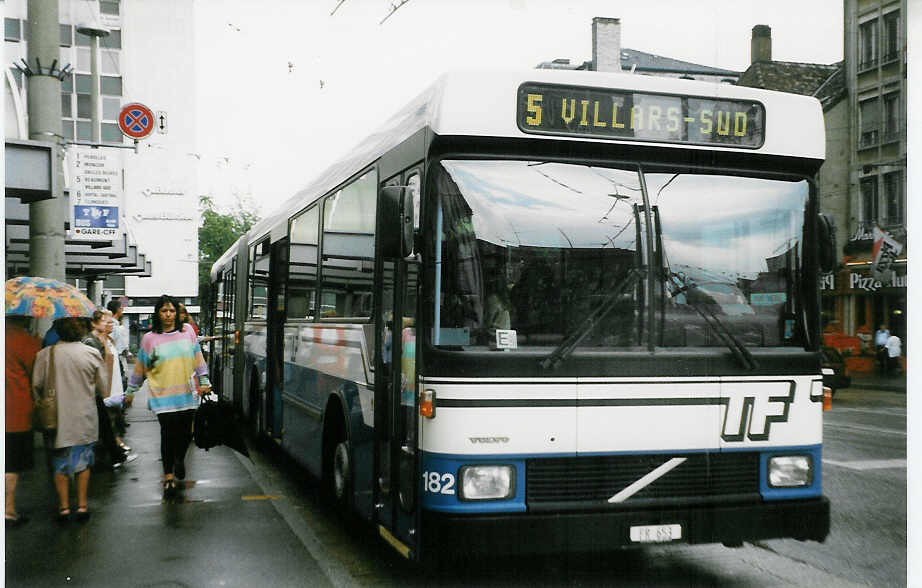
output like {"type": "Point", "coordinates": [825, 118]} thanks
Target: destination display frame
{"type": "Point", "coordinates": [650, 117]}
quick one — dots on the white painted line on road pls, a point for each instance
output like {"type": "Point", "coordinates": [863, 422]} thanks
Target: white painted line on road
{"type": "Point", "coordinates": [338, 575]}
{"type": "Point", "coordinates": [869, 464]}
{"type": "Point", "coordinates": [876, 411]}
{"type": "Point", "coordinates": [866, 428]}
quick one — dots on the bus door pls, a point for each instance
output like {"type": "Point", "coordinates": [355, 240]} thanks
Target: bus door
{"type": "Point", "coordinates": [228, 334]}
{"type": "Point", "coordinates": [275, 337]}
{"type": "Point", "coordinates": [396, 410]}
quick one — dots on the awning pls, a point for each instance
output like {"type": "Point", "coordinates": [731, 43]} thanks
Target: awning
{"type": "Point", "coordinates": [84, 260]}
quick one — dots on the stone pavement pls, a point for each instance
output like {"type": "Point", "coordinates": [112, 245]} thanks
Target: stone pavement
{"type": "Point", "coordinates": [221, 531]}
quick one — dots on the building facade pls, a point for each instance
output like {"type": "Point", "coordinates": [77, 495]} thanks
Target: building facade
{"type": "Point", "coordinates": [871, 289]}
{"type": "Point", "coordinates": [147, 57]}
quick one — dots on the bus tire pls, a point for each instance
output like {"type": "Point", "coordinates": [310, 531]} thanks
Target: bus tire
{"type": "Point", "coordinates": [337, 456]}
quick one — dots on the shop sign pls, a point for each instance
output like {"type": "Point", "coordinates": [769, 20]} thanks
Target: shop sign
{"type": "Point", "coordinates": [868, 283]}
{"type": "Point", "coordinates": [873, 284]}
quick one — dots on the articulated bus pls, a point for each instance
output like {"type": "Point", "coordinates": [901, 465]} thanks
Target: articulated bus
{"type": "Point", "coordinates": [548, 311]}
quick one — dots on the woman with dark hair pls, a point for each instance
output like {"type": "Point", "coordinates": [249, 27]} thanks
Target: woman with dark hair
{"type": "Point", "coordinates": [186, 318]}
{"type": "Point", "coordinates": [167, 358]}
{"type": "Point", "coordinates": [78, 378]}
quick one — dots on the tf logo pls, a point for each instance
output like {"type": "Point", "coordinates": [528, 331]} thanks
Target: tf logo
{"type": "Point", "coordinates": [750, 415]}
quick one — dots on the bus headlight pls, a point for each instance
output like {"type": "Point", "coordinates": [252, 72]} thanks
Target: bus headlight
{"type": "Point", "coordinates": [487, 482]}
{"type": "Point", "coordinates": [789, 471]}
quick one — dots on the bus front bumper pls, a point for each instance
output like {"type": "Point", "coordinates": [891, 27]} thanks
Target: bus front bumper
{"type": "Point", "coordinates": [731, 524]}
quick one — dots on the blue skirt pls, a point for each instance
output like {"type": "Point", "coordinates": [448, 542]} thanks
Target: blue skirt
{"type": "Point", "coordinates": [72, 460]}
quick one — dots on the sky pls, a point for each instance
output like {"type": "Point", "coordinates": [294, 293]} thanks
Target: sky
{"type": "Point", "coordinates": [300, 82]}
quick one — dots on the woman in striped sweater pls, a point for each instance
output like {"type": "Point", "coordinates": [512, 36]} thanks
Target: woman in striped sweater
{"type": "Point", "coordinates": [168, 357]}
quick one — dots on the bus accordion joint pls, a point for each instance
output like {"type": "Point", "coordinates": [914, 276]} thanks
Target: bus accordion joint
{"type": "Point", "coordinates": [427, 404]}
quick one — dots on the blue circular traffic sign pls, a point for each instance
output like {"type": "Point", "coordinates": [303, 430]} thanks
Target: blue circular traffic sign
{"type": "Point", "coordinates": [136, 120]}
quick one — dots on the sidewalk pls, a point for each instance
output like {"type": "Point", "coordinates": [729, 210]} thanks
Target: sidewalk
{"type": "Point", "coordinates": [896, 383]}
{"type": "Point", "coordinates": [222, 530]}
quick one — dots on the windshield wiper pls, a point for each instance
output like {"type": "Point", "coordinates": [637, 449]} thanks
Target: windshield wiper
{"type": "Point", "coordinates": [681, 284]}
{"type": "Point", "coordinates": [566, 347]}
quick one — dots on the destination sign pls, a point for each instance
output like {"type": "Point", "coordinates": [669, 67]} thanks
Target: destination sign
{"type": "Point", "coordinates": [639, 116]}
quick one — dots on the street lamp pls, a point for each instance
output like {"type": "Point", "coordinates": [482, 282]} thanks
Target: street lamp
{"type": "Point", "coordinates": [94, 32]}
{"type": "Point", "coordinates": [94, 287]}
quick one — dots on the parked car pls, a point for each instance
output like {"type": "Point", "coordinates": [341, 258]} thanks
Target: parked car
{"type": "Point", "coordinates": [833, 360]}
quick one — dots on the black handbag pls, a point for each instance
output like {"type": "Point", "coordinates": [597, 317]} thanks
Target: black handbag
{"type": "Point", "coordinates": [215, 424]}
{"type": "Point", "coordinates": [206, 428]}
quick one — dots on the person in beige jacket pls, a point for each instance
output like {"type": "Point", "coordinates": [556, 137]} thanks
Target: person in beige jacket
{"type": "Point", "coordinates": [78, 378]}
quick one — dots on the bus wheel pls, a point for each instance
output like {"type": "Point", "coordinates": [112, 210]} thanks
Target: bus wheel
{"type": "Point", "coordinates": [337, 456]}
{"type": "Point", "coordinates": [342, 471]}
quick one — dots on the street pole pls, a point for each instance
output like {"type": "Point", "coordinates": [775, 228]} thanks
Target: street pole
{"type": "Point", "coordinates": [46, 217]}
{"type": "Point", "coordinates": [94, 286]}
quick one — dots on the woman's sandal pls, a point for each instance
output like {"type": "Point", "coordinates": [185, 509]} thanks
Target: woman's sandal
{"type": "Point", "coordinates": [63, 515]}
{"type": "Point", "coordinates": [83, 514]}
{"type": "Point", "coordinates": [170, 487]}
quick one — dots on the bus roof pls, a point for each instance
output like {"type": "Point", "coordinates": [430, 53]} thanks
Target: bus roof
{"type": "Point", "coordinates": [484, 104]}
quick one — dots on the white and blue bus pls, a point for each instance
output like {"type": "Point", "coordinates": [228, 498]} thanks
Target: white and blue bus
{"type": "Point", "coordinates": [543, 311]}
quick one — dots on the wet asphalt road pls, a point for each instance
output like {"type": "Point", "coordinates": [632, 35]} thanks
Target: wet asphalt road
{"type": "Point", "coordinates": [264, 523]}
{"type": "Point", "coordinates": [864, 476]}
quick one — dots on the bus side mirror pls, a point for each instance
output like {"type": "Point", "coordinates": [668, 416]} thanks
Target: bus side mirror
{"type": "Point", "coordinates": [397, 217]}
{"type": "Point", "coordinates": [826, 233]}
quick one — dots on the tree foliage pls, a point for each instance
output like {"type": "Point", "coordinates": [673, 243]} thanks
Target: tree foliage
{"type": "Point", "coordinates": [218, 231]}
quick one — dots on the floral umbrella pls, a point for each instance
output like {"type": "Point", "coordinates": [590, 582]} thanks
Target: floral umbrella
{"type": "Point", "coordinates": [45, 298]}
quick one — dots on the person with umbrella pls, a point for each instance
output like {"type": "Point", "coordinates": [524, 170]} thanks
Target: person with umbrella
{"type": "Point", "coordinates": [167, 358]}
{"type": "Point", "coordinates": [44, 298]}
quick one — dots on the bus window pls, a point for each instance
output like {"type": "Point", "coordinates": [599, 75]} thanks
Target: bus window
{"type": "Point", "coordinates": [535, 248]}
{"type": "Point", "coordinates": [259, 276]}
{"type": "Point", "coordinates": [349, 249]}
{"type": "Point", "coordinates": [302, 265]}
{"type": "Point", "coordinates": [732, 246]}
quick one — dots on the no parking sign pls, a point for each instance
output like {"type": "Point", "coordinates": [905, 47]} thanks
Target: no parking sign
{"type": "Point", "coordinates": [136, 120]}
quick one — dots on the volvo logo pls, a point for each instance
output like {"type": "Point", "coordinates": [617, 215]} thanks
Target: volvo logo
{"type": "Point", "coordinates": [476, 440]}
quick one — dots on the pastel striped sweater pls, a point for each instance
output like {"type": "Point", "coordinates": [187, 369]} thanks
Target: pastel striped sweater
{"type": "Point", "coordinates": [168, 361]}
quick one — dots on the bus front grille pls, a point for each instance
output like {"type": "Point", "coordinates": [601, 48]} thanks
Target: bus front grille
{"type": "Point", "coordinates": [589, 482]}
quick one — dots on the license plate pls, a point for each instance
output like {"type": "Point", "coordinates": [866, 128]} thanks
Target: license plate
{"type": "Point", "coordinates": [656, 533]}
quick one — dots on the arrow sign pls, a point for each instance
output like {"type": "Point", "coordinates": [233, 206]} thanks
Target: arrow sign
{"type": "Point", "coordinates": [136, 121]}
{"type": "Point", "coordinates": [161, 122]}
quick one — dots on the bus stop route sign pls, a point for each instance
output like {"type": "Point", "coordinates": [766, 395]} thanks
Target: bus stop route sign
{"type": "Point", "coordinates": [136, 121]}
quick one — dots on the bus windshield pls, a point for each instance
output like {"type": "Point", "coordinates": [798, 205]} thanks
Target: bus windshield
{"type": "Point", "coordinates": [548, 251]}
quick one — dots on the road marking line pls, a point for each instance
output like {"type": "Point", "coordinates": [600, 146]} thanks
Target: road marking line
{"type": "Point", "coordinates": [876, 411]}
{"type": "Point", "coordinates": [329, 566]}
{"type": "Point", "coordinates": [867, 429]}
{"type": "Point", "coordinates": [261, 497]}
{"type": "Point", "coordinates": [869, 464]}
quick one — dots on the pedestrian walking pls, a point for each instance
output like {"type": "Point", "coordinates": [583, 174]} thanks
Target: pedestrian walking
{"type": "Point", "coordinates": [75, 372]}
{"type": "Point", "coordinates": [894, 349]}
{"type": "Point", "coordinates": [167, 358]}
{"type": "Point", "coordinates": [120, 336]}
{"type": "Point", "coordinates": [113, 399]}
{"type": "Point", "coordinates": [21, 349]}
{"type": "Point", "coordinates": [880, 348]}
